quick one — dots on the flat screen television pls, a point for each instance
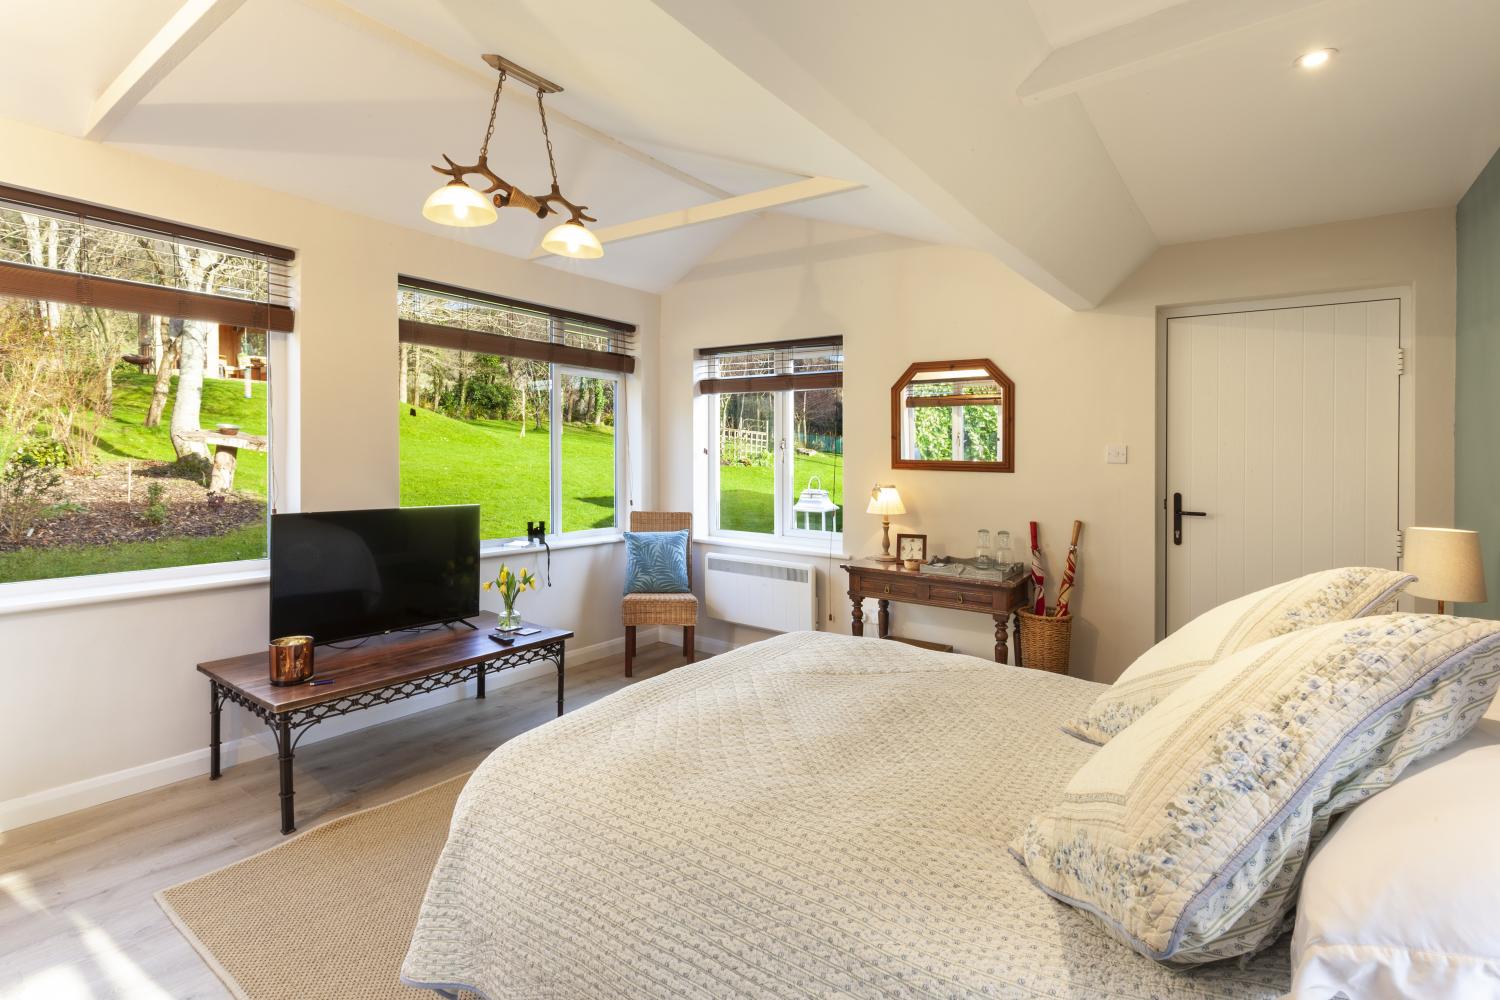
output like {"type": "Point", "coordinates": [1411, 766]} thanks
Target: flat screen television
{"type": "Point", "coordinates": [350, 573]}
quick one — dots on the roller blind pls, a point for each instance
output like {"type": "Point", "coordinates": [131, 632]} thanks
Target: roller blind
{"type": "Point", "coordinates": [440, 315]}
{"type": "Point", "coordinates": [72, 252]}
{"type": "Point", "coordinates": [811, 363]}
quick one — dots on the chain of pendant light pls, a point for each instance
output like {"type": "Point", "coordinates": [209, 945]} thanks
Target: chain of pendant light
{"type": "Point", "coordinates": [541, 109]}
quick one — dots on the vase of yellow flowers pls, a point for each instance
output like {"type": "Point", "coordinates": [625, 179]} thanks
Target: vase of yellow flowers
{"type": "Point", "coordinates": [510, 586]}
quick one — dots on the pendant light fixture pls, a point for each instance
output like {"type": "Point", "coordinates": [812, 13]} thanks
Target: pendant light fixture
{"type": "Point", "coordinates": [458, 204]}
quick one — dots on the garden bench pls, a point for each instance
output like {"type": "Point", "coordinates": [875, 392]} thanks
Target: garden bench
{"type": "Point", "coordinates": [226, 455]}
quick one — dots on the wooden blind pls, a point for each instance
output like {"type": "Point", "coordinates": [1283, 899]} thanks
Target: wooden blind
{"type": "Point", "coordinates": [73, 252]}
{"type": "Point", "coordinates": [771, 366]}
{"type": "Point", "coordinates": [440, 315]}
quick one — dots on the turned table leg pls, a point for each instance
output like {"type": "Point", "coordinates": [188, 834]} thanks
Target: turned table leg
{"type": "Point", "coordinates": [884, 618]}
{"type": "Point", "coordinates": [857, 616]}
{"type": "Point", "coordinates": [1002, 654]}
{"type": "Point", "coordinates": [1016, 625]}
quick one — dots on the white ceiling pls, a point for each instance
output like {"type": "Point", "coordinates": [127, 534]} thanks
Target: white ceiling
{"type": "Point", "coordinates": [1199, 126]}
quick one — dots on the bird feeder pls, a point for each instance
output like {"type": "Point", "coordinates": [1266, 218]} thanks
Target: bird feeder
{"type": "Point", "coordinates": [815, 500]}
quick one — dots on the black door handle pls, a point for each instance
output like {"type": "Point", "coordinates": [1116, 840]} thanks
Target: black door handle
{"type": "Point", "coordinates": [1178, 514]}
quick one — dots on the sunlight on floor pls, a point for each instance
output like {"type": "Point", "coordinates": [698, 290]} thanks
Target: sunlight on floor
{"type": "Point", "coordinates": [18, 887]}
{"type": "Point", "coordinates": [125, 977]}
{"type": "Point", "coordinates": [50, 985]}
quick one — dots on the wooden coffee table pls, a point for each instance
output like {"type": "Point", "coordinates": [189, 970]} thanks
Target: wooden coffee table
{"type": "Point", "coordinates": [378, 671]}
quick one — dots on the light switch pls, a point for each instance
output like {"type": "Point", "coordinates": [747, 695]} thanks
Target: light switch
{"type": "Point", "coordinates": [1116, 454]}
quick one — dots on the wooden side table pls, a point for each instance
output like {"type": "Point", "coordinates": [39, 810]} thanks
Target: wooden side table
{"type": "Point", "coordinates": [383, 669]}
{"type": "Point", "coordinates": [887, 582]}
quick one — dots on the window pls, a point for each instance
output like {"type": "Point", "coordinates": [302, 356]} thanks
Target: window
{"type": "Point", "coordinates": [135, 421]}
{"type": "Point", "coordinates": [776, 438]}
{"type": "Point", "coordinates": [512, 406]}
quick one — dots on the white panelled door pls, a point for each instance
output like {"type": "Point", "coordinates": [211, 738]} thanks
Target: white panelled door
{"type": "Point", "coordinates": [1283, 429]}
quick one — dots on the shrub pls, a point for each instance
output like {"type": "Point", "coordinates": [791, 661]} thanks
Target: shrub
{"type": "Point", "coordinates": [193, 466]}
{"type": "Point", "coordinates": [156, 505]}
{"type": "Point", "coordinates": [28, 482]}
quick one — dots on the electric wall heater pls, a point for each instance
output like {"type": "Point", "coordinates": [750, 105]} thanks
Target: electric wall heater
{"type": "Point", "coordinates": [762, 593]}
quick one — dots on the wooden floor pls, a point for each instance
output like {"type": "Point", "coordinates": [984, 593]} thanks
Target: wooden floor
{"type": "Point", "coordinates": [77, 915]}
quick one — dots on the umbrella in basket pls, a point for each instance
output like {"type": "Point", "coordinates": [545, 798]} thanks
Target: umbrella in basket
{"type": "Point", "coordinates": [1039, 605]}
{"type": "Point", "coordinates": [1065, 589]}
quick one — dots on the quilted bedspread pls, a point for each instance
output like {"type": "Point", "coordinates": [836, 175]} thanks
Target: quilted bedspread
{"type": "Point", "coordinates": [812, 815]}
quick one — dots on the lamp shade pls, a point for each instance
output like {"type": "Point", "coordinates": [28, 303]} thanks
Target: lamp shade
{"type": "Point", "coordinates": [885, 500]}
{"type": "Point", "coordinates": [572, 240]}
{"type": "Point", "coordinates": [1447, 564]}
{"type": "Point", "coordinates": [457, 204]}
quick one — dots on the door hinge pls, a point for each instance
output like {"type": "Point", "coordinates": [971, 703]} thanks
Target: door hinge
{"type": "Point", "coordinates": [1400, 361]}
{"type": "Point", "coordinates": [1400, 544]}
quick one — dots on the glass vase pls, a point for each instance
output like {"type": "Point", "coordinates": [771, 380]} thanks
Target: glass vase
{"type": "Point", "coordinates": [509, 619]}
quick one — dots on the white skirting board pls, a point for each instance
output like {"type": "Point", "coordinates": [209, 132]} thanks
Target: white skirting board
{"type": "Point", "coordinates": [63, 799]}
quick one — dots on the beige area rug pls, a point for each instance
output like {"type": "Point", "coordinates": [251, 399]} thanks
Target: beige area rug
{"type": "Point", "coordinates": [329, 913]}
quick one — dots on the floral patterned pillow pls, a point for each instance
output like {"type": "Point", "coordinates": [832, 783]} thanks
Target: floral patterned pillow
{"type": "Point", "coordinates": [1186, 834]}
{"type": "Point", "coordinates": [1326, 596]}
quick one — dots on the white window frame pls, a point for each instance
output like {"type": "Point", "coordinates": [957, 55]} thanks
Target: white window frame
{"type": "Point", "coordinates": [555, 505]}
{"type": "Point", "coordinates": [784, 490]}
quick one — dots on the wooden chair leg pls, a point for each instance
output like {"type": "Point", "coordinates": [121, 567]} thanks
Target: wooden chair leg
{"type": "Point", "coordinates": [689, 649]}
{"type": "Point", "coordinates": [629, 650]}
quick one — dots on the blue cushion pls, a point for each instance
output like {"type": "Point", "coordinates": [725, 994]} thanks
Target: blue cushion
{"type": "Point", "coordinates": [656, 562]}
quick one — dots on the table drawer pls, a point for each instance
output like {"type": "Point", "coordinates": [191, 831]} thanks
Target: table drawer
{"type": "Point", "coordinates": [876, 587]}
{"type": "Point", "coordinates": [960, 597]}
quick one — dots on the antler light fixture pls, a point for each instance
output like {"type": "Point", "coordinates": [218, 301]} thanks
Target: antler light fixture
{"type": "Point", "coordinates": [458, 204]}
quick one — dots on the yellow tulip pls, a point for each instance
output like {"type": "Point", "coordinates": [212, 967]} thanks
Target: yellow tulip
{"type": "Point", "coordinates": [488, 584]}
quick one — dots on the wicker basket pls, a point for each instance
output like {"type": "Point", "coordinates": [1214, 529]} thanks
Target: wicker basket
{"type": "Point", "coordinates": [1045, 641]}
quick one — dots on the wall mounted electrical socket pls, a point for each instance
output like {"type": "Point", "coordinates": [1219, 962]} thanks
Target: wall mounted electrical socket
{"type": "Point", "coordinates": [1116, 454]}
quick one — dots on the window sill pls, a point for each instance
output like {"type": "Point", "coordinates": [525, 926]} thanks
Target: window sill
{"type": "Point", "coordinates": [779, 545]}
{"type": "Point", "coordinates": [73, 591]}
{"type": "Point", "coordinates": [520, 547]}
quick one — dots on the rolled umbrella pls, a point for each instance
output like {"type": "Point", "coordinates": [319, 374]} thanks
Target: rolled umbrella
{"type": "Point", "coordinates": [1039, 602]}
{"type": "Point", "coordinates": [1065, 589]}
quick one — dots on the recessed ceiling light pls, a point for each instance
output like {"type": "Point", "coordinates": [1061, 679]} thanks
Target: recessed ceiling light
{"type": "Point", "coordinates": [1316, 58]}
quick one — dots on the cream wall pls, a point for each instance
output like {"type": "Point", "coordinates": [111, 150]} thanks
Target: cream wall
{"type": "Point", "coordinates": [126, 668]}
{"type": "Point", "coordinates": [1083, 380]}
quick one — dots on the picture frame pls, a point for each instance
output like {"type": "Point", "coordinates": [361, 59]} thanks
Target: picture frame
{"type": "Point", "coordinates": [911, 543]}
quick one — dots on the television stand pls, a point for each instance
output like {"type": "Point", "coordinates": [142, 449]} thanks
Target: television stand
{"type": "Point", "coordinates": [385, 669]}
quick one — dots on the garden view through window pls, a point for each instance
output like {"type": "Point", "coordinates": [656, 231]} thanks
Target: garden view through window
{"type": "Point", "coordinates": [526, 439]}
{"type": "Point", "coordinates": [778, 452]}
{"type": "Point", "coordinates": [111, 419]}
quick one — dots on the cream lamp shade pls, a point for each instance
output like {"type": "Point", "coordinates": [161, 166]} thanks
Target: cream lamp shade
{"type": "Point", "coordinates": [572, 240]}
{"type": "Point", "coordinates": [457, 204]}
{"type": "Point", "coordinates": [1447, 564]}
{"type": "Point", "coordinates": [885, 500]}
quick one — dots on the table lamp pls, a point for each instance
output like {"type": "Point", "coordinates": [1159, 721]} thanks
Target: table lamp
{"type": "Point", "coordinates": [885, 501]}
{"type": "Point", "coordinates": [1447, 564]}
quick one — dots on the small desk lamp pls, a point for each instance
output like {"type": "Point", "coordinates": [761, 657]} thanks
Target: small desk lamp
{"type": "Point", "coordinates": [1447, 563]}
{"type": "Point", "coordinates": [885, 501]}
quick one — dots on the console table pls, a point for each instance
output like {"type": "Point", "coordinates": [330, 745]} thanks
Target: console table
{"type": "Point", "coordinates": [379, 670]}
{"type": "Point", "coordinates": [887, 582]}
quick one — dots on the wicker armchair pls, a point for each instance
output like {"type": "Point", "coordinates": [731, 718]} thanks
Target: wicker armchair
{"type": "Point", "coordinates": [660, 609]}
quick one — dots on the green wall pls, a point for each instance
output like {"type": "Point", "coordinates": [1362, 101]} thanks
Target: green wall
{"type": "Point", "coordinates": [1477, 430]}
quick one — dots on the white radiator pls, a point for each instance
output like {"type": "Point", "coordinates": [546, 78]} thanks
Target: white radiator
{"type": "Point", "coordinates": [779, 596]}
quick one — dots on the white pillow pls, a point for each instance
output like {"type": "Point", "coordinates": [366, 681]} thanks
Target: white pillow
{"type": "Point", "coordinates": [1325, 596]}
{"type": "Point", "coordinates": [1402, 899]}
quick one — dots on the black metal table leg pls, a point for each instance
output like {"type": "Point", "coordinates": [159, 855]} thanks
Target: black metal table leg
{"type": "Point", "coordinates": [479, 681]}
{"type": "Point", "coordinates": [284, 759]}
{"type": "Point", "coordinates": [215, 710]}
{"type": "Point", "coordinates": [559, 678]}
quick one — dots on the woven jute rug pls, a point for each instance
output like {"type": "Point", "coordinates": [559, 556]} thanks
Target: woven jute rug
{"type": "Point", "coordinates": [329, 913]}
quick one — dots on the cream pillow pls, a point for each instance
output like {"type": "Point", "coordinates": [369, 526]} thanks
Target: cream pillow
{"type": "Point", "coordinates": [1426, 927]}
{"type": "Point", "coordinates": [1186, 834]}
{"type": "Point", "coordinates": [1327, 596]}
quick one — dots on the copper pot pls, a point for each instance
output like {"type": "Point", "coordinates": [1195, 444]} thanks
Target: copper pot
{"type": "Point", "coordinates": [291, 660]}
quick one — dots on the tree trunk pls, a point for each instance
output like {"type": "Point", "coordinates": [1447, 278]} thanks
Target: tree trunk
{"type": "Point", "coordinates": [405, 352]}
{"type": "Point", "coordinates": [187, 406]}
{"type": "Point", "coordinates": [166, 360]}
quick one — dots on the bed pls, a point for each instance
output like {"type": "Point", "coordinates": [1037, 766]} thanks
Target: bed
{"type": "Point", "coordinates": [812, 815]}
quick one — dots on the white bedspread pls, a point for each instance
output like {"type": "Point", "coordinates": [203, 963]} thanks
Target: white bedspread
{"type": "Point", "coordinates": [813, 815]}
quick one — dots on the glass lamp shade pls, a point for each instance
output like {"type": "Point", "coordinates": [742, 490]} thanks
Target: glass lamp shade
{"type": "Point", "coordinates": [457, 204]}
{"type": "Point", "coordinates": [572, 240]}
{"type": "Point", "coordinates": [885, 500]}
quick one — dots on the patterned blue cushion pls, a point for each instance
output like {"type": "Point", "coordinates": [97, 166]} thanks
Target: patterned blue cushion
{"type": "Point", "coordinates": [656, 562]}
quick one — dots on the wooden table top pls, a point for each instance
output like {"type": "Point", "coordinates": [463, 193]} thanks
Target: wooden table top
{"type": "Point", "coordinates": [376, 663]}
{"type": "Point", "coordinates": [895, 569]}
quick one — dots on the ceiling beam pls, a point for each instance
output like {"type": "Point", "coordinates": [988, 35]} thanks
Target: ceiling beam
{"type": "Point", "coordinates": [194, 21]}
{"type": "Point", "coordinates": [756, 201]}
{"type": "Point", "coordinates": [474, 70]}
{"type": "Point", "coordinates": [1154, 39]}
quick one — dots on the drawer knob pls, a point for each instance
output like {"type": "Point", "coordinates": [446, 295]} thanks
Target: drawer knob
{"type": "Point", "coordinates": [960, 598]}
{"type": "Point", "coordinates": [887, 588]}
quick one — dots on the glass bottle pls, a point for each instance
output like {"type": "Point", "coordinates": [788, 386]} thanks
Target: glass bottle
{"type": "Point", "coordinates": [982, 551]}
{"type": "Point", "coordinates": [1002, 547]}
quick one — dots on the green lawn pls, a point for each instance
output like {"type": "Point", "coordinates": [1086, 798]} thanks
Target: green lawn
{"type": "Point", "coordinates": [488, 462]}
{"type": "Point", "coordinates": [123, 437]}
{"type": "Point", "coordinates": [747, 497]}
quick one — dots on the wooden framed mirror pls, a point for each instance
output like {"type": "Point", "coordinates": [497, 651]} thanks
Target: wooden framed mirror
{"type": "Point", "coordinates": [954, 415]}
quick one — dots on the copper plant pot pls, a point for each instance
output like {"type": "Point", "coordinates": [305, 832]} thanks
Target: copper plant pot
{"type": "Point", "coordinates": [291, 660]}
